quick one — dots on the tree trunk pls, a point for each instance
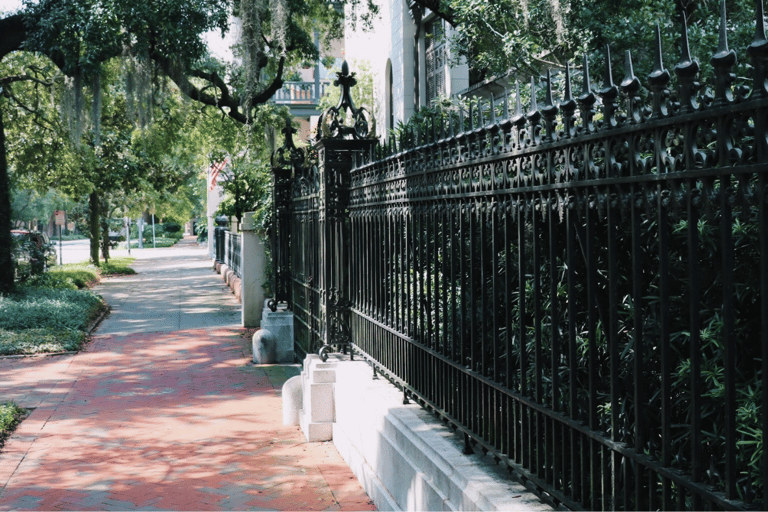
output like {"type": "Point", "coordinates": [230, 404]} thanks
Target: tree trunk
{"type": "Point", "coordinates": [6, 240]}
{"type": "Point", "coordinates": [93, 225]}
{"type": "Point", "coordinates": [105, 239]}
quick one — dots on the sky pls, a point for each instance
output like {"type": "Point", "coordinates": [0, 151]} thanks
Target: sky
{"type": "Point", "coordinates": [9, 5]}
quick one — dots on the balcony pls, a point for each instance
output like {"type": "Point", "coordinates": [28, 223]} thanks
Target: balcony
{"type": "Point", "coordinates": [302, 97]}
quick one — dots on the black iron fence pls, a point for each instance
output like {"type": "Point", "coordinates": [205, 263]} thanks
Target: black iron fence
{"type": "Point", "coordinates": [582, 293]}
{"type": "Point", "coordinates": [233, 253]}
{"type": "Point", "coordinates": [219, 240]}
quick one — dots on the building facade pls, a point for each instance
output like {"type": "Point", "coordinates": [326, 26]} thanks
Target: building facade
{"type": "Point", "coordinates": [410, 60]}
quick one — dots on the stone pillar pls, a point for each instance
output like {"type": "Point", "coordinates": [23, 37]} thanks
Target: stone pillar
{"type": "Point", "coordinates": [253, 269]}
{"type": "Point", "coordinates": [318, 411]}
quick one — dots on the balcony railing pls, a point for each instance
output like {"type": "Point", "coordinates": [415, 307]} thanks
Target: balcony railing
{"type": "Point", "coordinates": [301, 93]}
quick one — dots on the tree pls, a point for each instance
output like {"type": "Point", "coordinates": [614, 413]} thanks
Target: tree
{"type": "Point", "coordinates": [164, 39]}
{"type": "Point", "coordinates": [526, 37]}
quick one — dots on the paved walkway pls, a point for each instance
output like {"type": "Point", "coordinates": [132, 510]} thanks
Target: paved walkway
{"type": "Point", "coordinates": [163, 410]}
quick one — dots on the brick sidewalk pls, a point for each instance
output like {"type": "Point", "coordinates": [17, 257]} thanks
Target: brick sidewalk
{"type": "Point", "coordinates": [162, 421]}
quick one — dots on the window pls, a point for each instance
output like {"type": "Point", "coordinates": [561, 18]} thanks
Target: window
{"type": "Point", "coordinates": [435, 58]}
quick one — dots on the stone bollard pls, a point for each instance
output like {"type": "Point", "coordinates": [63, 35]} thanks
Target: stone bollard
{"type": "Point", "coordinates": [292, 398]}
{"type": "Point", "coordinates": [264, 346]}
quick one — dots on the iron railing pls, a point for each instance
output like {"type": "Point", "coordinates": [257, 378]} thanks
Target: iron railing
{"type": "Point", "coordinates": [233, 253]}
{"type": "Point", "coordinates": [585, 300]}
{"type": "Point", "coordinates": [301, 93]}
{"type": "Point", "coordinates": [219, 244]}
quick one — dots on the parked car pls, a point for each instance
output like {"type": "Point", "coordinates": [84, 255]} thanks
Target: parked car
{"type": "Point", "coordinates": [32, 251]}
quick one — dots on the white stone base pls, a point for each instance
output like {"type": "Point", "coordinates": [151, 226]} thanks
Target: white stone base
{"type": "Point", "coordinates": [406, 460]}
{"type": "Point", "coordinates": [318, 413]}
{"type": "Point", "coordinates": [280, 323]}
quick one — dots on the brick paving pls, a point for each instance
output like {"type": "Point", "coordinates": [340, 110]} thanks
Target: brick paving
{"type": "Point", "coordinates": [178, 420]}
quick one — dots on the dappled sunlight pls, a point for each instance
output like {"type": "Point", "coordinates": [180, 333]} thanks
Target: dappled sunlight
{"type": "Point", "coordinates": [173, 420]}
{"type": "Point", "coordinates": [163, 410]}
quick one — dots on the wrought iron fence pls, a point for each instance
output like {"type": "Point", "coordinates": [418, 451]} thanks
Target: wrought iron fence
{"type": "Point", "coordinates": [219, 241]}
{"type": "Point", "coordinates": [587, 300]}
{"type": "Point", "coordinates": [233, 254]}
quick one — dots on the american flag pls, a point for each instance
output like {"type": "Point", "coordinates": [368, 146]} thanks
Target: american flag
{"type": "Point", "coordinates": [213, 171]}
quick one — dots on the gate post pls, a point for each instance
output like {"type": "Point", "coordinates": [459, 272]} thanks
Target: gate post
{"type": "Point", "coordinates": [284, 161]}
{"type": "Point", "coordinates": [337, 146]}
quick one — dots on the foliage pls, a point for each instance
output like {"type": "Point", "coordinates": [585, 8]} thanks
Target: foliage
{"type": "Point", "coordinates": [82, 275]}
{"type": "Point", "coordinates": [159, 243]}
{"type": "Point", "coordinates": [117, 266]}
{"type": "Point", "coordinates": [49, 308]}
{"type": "Point", "coordinates": [10, 416]}
{"type": "Point", "coordinates": [527, 37]}
{"type": "Point", "coordinates": [37, 341]}
{"type": "Point", "coordinates": [33, 253]}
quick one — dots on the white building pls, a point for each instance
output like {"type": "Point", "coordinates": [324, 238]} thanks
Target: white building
{"type": "Point", "coordinates": [409, 56]}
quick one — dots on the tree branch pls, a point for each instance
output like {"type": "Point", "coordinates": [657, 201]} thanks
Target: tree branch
{"type": "Point", "coordinates": [437, 7]}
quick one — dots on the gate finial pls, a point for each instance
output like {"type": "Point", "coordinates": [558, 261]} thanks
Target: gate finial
{"type": "Point", "coordinates": [331, 123]}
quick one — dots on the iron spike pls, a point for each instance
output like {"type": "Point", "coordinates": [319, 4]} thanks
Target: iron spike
{"type": "Point", "coordinates": [493, 109]}
{"type": "Point", "coordinates": [518, 105]}
{"type": "Point", "coordinates": [534, 105]}
{"type": "Point", "coordinates": [759, 39]}
{"type": "Point", "coordinates": [658, 62]}
{"type": "Point", "coordinates": [480, 116]}
{"type": "Point", "coordinates": [567, 96]}
{"type": "Point", "coordinates": [722, 43]}
{"type": "Point", "coordinates": [586, 89]}
{"type": "Point", "coordinates": [506, 103]}
{"type": "Point", "coordinates": [608, 69]}
{"type": "Point", "coordinates": [685, 58]}
{"type": "Point", "coordinates": [628, 70]}
{"type": "Point", "coordinates": [548, 95]}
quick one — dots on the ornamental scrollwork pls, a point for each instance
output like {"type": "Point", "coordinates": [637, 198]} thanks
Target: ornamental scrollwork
{"type": "Point", "coordinates": [331, 124]}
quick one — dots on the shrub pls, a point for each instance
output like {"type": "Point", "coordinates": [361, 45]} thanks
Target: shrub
{"type": "Point", "coordinates": [171, 227]}
{"type": "Point", "coordinates": [83, 275]}
{"type": "Point", "coordinates": [49, 308]}
{"type": "Point", "coordinates": [36, 341]}
{"type": "Point", "coordinates": [57, 280]}
{"type": "Point", "coordinates": [10, 416]}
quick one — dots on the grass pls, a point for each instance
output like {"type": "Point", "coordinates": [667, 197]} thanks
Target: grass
{"type": "Point", "coordinates": [118, 266]}
{"type": "Point", "coordinates": [10, 416]}
{"type": "Point", "coordinates": [160, 243]}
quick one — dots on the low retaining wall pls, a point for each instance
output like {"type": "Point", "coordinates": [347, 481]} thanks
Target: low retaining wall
{"type": "Point", "coordinates": [230, 278]}
{"type": "Point", "coordinates": [404, 458]}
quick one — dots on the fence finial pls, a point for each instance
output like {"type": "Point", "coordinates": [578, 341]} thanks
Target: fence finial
{"type": "Point", "coordinates": [630, 86]}
{"type": "Point", "coordinates": [758, 53]}
{"type": "Point", "coordinates": [723, 62]}
{"type": "Point", "coordinates": [658, 79]}
{"type": "Point", "coordinates": [550, 110]}
{"type": "Point", "coordinates": [609, 92]}
{"type": "Point", "coordinates": [587, 99]}
{"type": "Point", "coordinates": [568, 105]}
{"type": "Point", "coordinates": [288, 154]}
{"type": "Point", "coordinates": [686, 70]}
{"type": "Point", "coordinates": [331, 122]}
{"type": "Point", "coordinates": [518, 102]}
{"type": "Point", "coordinates": [567, 95]}
{"type": "Point", "coordinates": [534, 104]}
